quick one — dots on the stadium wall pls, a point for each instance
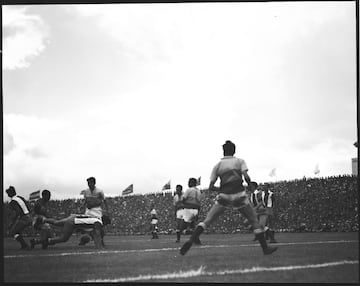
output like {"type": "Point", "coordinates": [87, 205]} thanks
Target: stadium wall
{"type": "Point", "coordinates": [354, 164]}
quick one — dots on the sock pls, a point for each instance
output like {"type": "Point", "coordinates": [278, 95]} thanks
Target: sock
{"type": "Point", "coordinates": [178, 235]}
{"type": "Point", "coordinates": [267, 234]}
{"type": "Point", "coordinates": [198, 230]}
{"type": "Point", "coordinates": [272, 235]}
{"type": "Point", "coordinates": [20, 239]}
{"type": "Point", "coordinates": [50, 241]}
{"type": "Point", "coordinates": [37, 241]}
{"type": "Point", "coordinates": [262, 240]}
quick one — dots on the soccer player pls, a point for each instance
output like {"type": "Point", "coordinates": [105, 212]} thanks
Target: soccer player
{"type": "Point", "coordinates": [232, 194]}
{"type": "Point", "coordinates": [69, 225]}
{"type": "Point", "coordinates": [258, 205]}
{"type": "Point", "coordinates": [94, 199]}
{"type": "Point", "coordinates": [21, 218]}
{"type": "Point", "coordinates": [268, 200]}
{"type": "Point", "coordinates": [40, 209]}
{"type": "Point", "coordinates": [153, 224]}
{"type": "Point", "coordinates": [179, 209]}
{"type": "Point", "coordinates": [191, 203]}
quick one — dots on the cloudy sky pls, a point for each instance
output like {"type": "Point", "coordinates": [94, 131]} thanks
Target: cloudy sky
{"type": "Point", "coordinates": [146, 93]}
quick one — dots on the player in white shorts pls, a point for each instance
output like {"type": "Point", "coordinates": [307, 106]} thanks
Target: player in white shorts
{"type": "Point", "coordinates": [232, 194]}
{"type": "Point", "coordinates": [94, 199]}
{"type": "Point", "coordinates": [179, 210]}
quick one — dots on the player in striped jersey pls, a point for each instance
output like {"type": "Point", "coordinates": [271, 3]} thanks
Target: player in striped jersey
{"type": "Point", "coordinates": [258, 205]}
{"type": "Point", "coordinates": [268, 199]}
{"type": "Point", "coordinates": [70, 224]}
{"type": "Point", "coordinates": [21, 218]}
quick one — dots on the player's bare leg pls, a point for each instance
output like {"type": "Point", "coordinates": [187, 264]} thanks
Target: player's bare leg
{"type": "Point", "coordinates": [97, 235]}
{"type": "Point", "coordinates": [250, 214]}
{"type": "Point", "coordinates": [215, 211]}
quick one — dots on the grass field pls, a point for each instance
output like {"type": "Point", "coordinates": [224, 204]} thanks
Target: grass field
{"type": "Point", "coordinates": [301, 257]}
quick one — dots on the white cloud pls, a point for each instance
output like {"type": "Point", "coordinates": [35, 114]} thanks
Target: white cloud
{"type": "Point", "coordinates": [24, 37]}
{"type": "Point", "coordinates": [196, 75]}
{"type": "Point", "coordinates": [8, 141]}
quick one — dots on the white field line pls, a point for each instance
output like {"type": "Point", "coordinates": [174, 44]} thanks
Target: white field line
{"type": "Point", "coordinates": [77, 253]}
{"type": "Point", "coordinates": [201, 272]}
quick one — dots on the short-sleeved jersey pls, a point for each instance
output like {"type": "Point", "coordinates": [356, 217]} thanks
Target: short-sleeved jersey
{"type": "Point", "coordinates": [191, 198]}
{"type": "Point", "coordinates": [153, 214]}
{"type": "Point", "coordinates": [19, 205]}
{"type": "Point", "coordinates": [96, 193]}
{"type": "Point", "coordinates": [178, 204]}
{"type": "Point", "coordinates": [40, 208]}
{"type": "Point", "coordinates": [229, 169]}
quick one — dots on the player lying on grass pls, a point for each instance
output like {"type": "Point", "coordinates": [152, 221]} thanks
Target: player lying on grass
{"type": "Point", "coordinates": [69, 225]}
{"type": "Point", "coordinates": [232, 194]}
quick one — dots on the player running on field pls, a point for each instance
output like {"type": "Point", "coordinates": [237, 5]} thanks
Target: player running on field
{"type": "Point", "coordinates": [232, 194]}
{"type": "Point", "coordinates": [191, 203]}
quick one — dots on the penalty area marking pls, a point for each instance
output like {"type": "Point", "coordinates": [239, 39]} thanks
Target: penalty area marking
{"type": "Point", "coordinates": [202, 272]}
{"type": "Point", "coordinates": [77, 253]}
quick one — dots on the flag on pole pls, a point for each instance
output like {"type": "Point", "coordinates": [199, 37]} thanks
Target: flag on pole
{"type": "Point", "coordinates": [167, 186]}
{"type": "Point", "coordinates": [34, 196]}
{"type": "Point", "coordinates": [198, 181]}
{"type": "Point", "coordinates": [128, 190]}
{"type": "Point", "coordinates": [316, 170]}
{"type": "Point", "coordinates": [272, 173]}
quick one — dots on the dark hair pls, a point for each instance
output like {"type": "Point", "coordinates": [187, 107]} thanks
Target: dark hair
{"type": "Point", "coordinates": [229, 148]}
{"type": "Point", "coordinates": [179, 186]}
{"type": "Point", "coordinates": [11, 191]}
{"type": "Point", "coordinates": [91, 179]}
{"type": "Point", "coordinates": [253, 185]}
{"type": "Point", "coordinates": [46, 193]}
{"type": "Point", "coordinates": [192, 182]}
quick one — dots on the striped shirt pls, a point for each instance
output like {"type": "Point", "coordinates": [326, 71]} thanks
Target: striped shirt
{"type": "Point", "coordinates": [254, 198]}
{"type": "Point", "coordinates": [19, 205]}
{"type": "Point", "coordinates": [268, 198]}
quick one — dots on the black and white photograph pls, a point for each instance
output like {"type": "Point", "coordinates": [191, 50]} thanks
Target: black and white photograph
{"type": "Point", "coordinates": [189, 142]}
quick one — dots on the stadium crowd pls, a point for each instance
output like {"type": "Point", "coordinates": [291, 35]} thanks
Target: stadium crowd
{"type": "Point", "coordinates": [308, 204]}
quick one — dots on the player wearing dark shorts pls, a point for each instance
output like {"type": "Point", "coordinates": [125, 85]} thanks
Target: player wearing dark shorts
{"type": "Point", "coordinates": [21, 218]}
{"type": "Point", "coordinates": [40, 209]}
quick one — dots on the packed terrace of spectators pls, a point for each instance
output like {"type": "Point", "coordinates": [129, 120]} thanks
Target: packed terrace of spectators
{"type": "Point", "coordinates": [305, 205]}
